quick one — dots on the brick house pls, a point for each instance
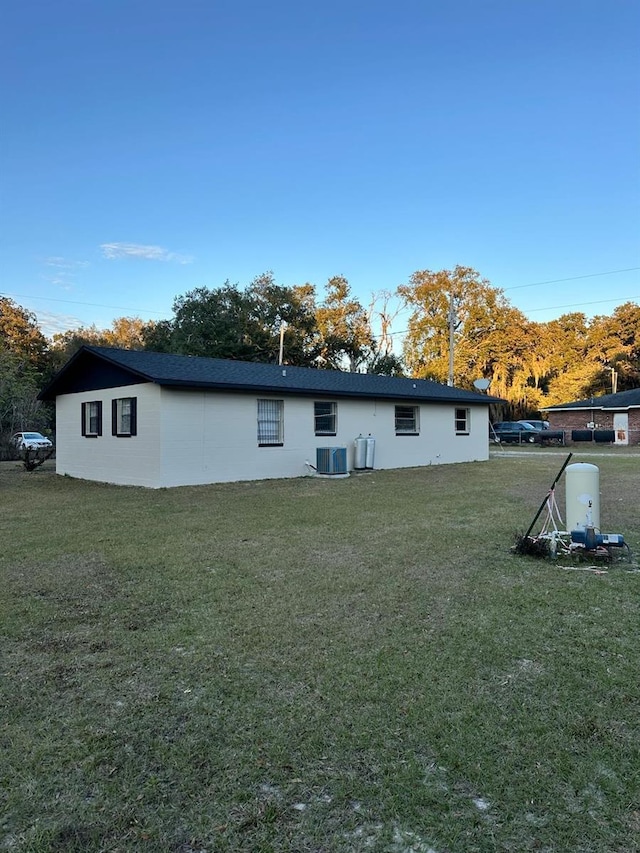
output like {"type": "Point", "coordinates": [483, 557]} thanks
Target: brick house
{"type": "Point", "coordinates": [609, 419]}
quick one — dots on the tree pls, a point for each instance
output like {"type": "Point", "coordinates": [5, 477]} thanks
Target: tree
{"type": "Point", "coordinates": [570, 371]}
{"type": "Point", "coordinates": [386, 365]}
{"type": "Point", "coordinates": [227, 322]}
{"type": "Point", "coordinates": [23, 361]}
{"type": "Point", "coordinates": [125, 333]}
{"type": "Point", "coordinates": [21, 335]}
{"type": "Point", "coordinates": [215, 323]}
{"type": "Point", "coordinates": [506, 355]}
{"type": "Point", "coordinates": [220, 323]}
{"type": "Point", "coordinates": [344, 327]}
{"type": "Point", "coordinates": [292, 309]}
{"type": "Point", "coordinates": [576, 383]}
{"type": "Point", "coordinates": [384, 309]}
{"type": "Point", "coordinates": [614, 343]}
{"type": "Point", "coordinates": [459, 294]}
{"type": "Point", "coordinates": [492, 339]}
{"type": "Point", "coordinates": [157, 337]}
{"type": "Point", "coordinates": [435, 296]}
{"type": "Point", "coordinates": [20, 408]}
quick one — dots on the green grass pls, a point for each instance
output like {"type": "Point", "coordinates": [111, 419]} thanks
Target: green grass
{"type": "Point", "coordinates": [316, 665]}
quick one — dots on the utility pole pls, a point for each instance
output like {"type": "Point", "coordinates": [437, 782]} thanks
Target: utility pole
{"type": "Point", "coordinates": [452, 323]}
{"type": "Point", "coordinates": [282, 328]}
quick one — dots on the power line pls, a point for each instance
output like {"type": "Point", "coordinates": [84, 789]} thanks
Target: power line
{"type": "Point", "coordinates": [150, 311]}
{"type": "Point", "coordinates": [390, 334]}
{"type": "Point", "coordinates": [553, 308]}
{"type": "Point", "coordinates": [581, 304]}
{"type": "Point", "coordinates": [572, 278]}
{"type": "Point", "coordinates": [76, 302]}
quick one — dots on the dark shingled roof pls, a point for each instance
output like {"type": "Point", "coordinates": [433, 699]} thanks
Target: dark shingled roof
{"type": "Point", "coordinates": [621, 400]}
{"type": "Point", "coordinates": [192, 372]}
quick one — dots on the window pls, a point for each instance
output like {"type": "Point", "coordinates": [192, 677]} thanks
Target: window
{"type": "Point", "coordinates": [92, 419]}
{"type": "Point", "coordinates": [270, 423]}
{"type": "Point", "coordinates": [325, 418]}
{"type": "Point", "coordinates": [462, 418]}
{"type": "Point", "coordinates": [124, 417]}
{"type": "Point", "coordinates": [407, 420]}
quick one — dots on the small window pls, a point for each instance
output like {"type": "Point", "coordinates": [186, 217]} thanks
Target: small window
{"type": "Point", "coordinates": [407, 420]}
{"type": "Point", "coordinates": [270, 423]}
{"type": "Point", "coordinates": [325, 418]}
{"type": "Point", "coordinates": [462, 421]}
{"type": "Point", "coordinates": [92, 419]}
{"type": "Point", "coordinates": [124, 417]}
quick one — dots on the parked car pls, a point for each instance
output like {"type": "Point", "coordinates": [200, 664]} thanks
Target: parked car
{"type": "Point", "coordinates": [31, 441]}
{"type": "Point", "coordinates": [536, 424]}
{"type": "Point", "coordinates": [548, 435]}
{"type": "Point", "coordinates": [516, 431]}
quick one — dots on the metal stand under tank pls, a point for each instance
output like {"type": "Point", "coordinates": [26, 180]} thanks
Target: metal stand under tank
{"type": "Point", "coordinates": [582, 484]}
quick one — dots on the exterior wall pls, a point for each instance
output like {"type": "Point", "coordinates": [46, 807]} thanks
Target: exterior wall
{"type": "Point", "coordinates": [211, 436]}
{"type": "Point", "coordinates": [131, 461]}
{"type": "Point", "coordinates": [190, 437]}
{"type": "Point", "coordinates": [571, 419]}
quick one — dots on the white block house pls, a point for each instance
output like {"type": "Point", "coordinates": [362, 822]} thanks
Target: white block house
{"type": "Point", "coordinates": [157, 420]}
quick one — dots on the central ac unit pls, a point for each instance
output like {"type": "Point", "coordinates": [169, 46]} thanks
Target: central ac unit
{"type": "Point", "coordinates": [331, 460]}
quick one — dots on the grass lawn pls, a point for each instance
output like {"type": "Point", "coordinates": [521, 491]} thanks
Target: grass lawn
{"type": "Point", "coordinates": [316, 665]}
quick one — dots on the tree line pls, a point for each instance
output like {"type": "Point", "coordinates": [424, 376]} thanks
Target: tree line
{"type": "Point", "coordinates": [530, 365]}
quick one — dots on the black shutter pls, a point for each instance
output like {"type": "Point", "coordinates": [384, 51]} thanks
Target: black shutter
{"type": "Point", "coordinates": [134, 416]}
{"type": "Point", "coordinates": [114, 417]}
{"type": "Point", "coordinates": [99, 417]}
{"type": "Point", "coordinates": [83, 412]}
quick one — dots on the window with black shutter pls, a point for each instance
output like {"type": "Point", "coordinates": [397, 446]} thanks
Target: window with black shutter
{"type": "Point", "coordinates": [92, 419]}
{"type": "Point", "coordinates": [124, 417]}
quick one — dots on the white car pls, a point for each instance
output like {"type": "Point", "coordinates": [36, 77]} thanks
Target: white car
{"type": "Point", "coordinates": [31, 441]}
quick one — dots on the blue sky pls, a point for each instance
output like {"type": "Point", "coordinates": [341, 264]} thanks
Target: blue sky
{"type": "Point", "coordinates": [151, 148]}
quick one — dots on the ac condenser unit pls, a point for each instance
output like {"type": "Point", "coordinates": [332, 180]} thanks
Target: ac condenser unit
{"type": "Point", "coordinates": [331, 460]}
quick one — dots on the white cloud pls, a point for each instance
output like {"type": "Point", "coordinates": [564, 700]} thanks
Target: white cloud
{"type": "Point", "coordinates": [63, 271]}
{"type": "Point", "coordinates": [53, 324]}
{"type": "Point", "coordinates": [64, 264]}
{"type": "Point", "coordinates": [117, 251]}
{"type": "Point", "coordinates": [60, 281]}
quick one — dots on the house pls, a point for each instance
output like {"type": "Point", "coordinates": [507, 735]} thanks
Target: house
{"type": "Point", "coordinates": [611, 418]}
{"type": "Point", "coordinates": [157, 419]}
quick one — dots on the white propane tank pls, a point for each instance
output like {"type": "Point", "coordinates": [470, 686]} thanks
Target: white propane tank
{"type": "Point", "coordinates": [582, 485]}
{"type": "Point", "coordinates": [371, 450]}
{"type": "Point", "coordinates": [360, 455]}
